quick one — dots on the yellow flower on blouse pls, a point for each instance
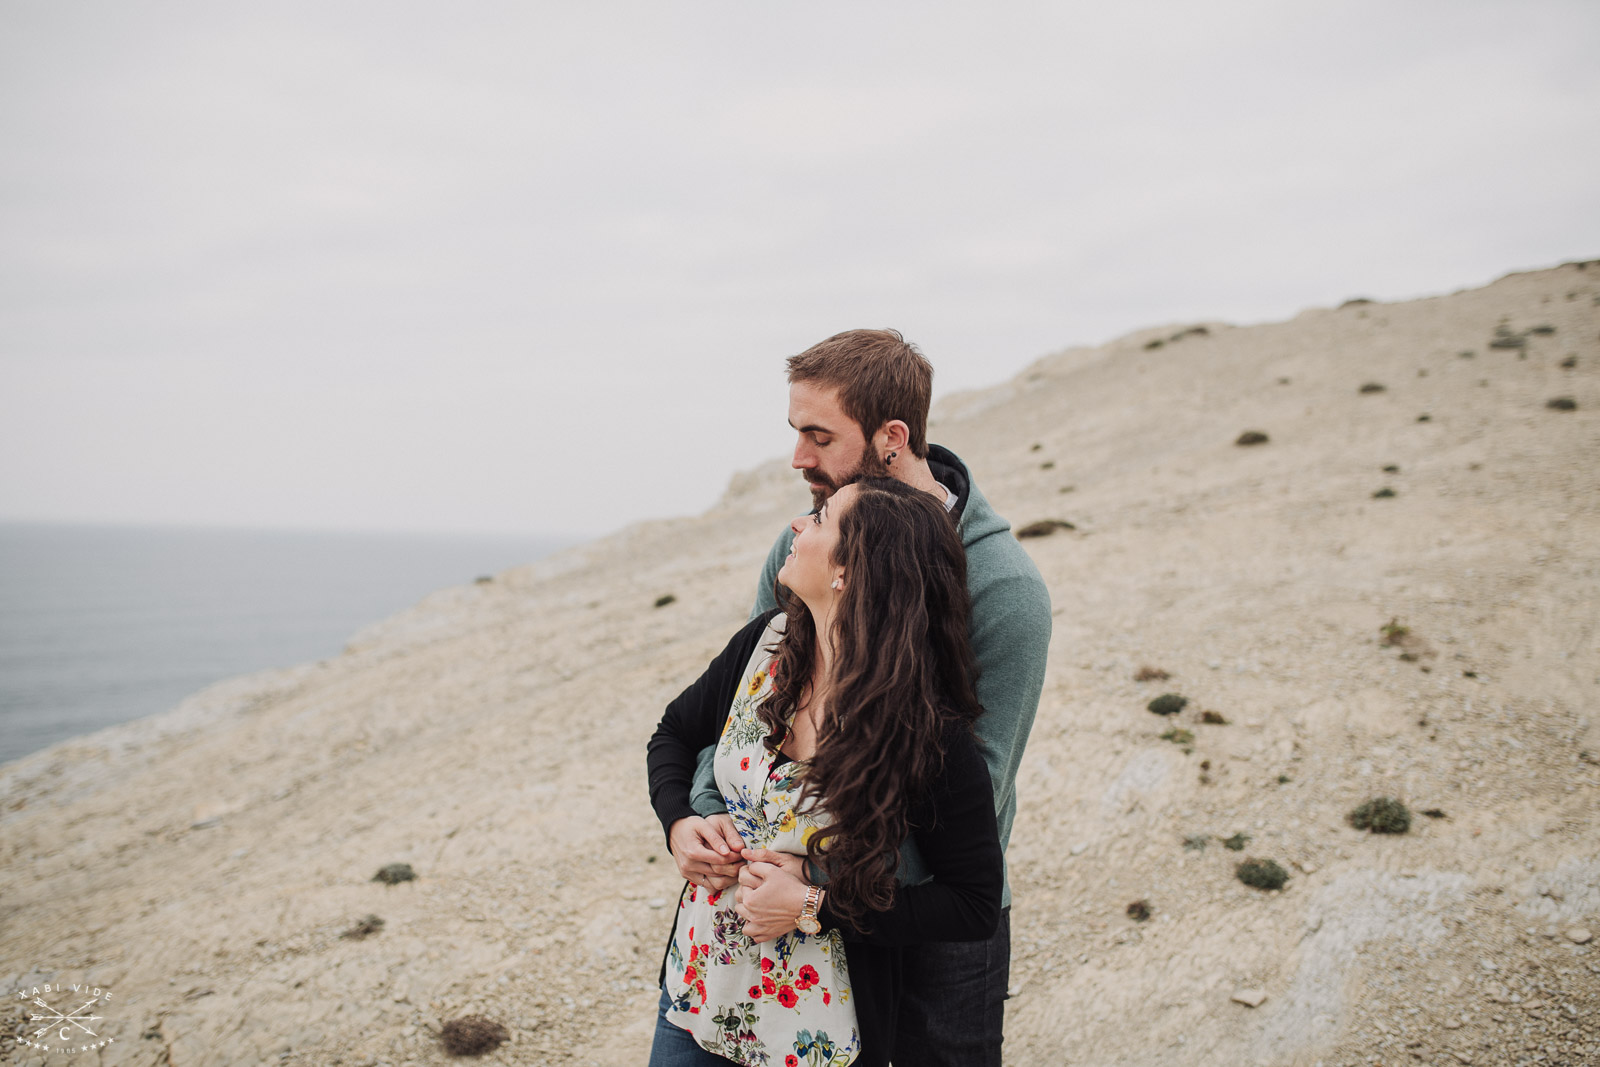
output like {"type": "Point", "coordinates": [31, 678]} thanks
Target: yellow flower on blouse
{"type": "Point", "coordinates": [786, 823]}
{"type": "Point", "coordinates": [756, 681]}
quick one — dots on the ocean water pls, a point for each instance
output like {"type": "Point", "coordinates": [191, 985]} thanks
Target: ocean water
{"type": "Point", "coordinates": [103, 624]}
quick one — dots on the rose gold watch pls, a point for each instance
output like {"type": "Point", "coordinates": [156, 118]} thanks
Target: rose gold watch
{"type": "Point", "coordinates": [808, 923]}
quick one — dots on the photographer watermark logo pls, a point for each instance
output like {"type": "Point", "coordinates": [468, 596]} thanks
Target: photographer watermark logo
{"type": "Point", "coordinates": [61, 1017]}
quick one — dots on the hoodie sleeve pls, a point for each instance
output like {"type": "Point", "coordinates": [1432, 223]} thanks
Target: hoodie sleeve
{"type": "Point", "coordinates": [1010, 639]}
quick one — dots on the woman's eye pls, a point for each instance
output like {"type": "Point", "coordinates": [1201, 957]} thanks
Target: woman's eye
{"type": "Point", "coordinates": [816, 517]}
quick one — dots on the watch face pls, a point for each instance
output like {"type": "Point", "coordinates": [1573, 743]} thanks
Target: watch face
{"type": "Point", "coordinates": [808, 925]}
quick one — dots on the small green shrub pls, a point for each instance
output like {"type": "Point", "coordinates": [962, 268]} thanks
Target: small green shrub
{"type": "Point", "coordinates": [1252, 437]}
{"type": "Point", "coordinates": [1261, 874]}
{"type": "Point", "coordinates": [664, 600]}
{"type": "Point", "coordinates": [1236, 843]}
{"type": "Point", "coordinates": [1139, 911]}
{"type": "Point", "coordinates": [1381, 815]}
{"type": "Point", "coordinates": [1168, 704]}
{"type": "Point", "coordinates": [1178, 736]}
{"type": "Point", "coordinates": [472, 1035]}
{"type": "Point", "coordinates": [365, 928]}
{"type": "Point", "coordinates": [1384, 494]}
{"type": "Point", "coordinates": [1394, 633]}
{"type": "Point", "coordinates": [1044, 528]}
{"type": "Point", "coordinates": [394, 874]}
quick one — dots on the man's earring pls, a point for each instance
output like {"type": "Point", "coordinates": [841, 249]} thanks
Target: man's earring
{"type": "Point", "coordinates": [838, 583]}
{"type": "Point", "coordinates": [890, 458]}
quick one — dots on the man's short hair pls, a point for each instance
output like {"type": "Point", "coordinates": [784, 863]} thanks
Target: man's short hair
{"type": "Point", "coordinates": [879, 375]}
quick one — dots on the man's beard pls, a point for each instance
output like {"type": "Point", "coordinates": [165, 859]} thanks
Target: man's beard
{"type": "Point", "coordinates": [870, 465]}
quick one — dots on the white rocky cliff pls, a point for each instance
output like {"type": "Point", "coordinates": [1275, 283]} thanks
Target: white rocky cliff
{"type": "Point", "coordinates": [203, 865]}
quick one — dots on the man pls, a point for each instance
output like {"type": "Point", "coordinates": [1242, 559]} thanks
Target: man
{"type": "Point", "coordinates": [858, 403]}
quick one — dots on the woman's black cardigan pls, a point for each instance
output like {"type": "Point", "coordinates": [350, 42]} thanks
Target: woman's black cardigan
{"type": "Point", "coordinates": [954, 827]}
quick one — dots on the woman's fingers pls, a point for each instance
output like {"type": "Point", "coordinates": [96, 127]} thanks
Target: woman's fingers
{"type": "Point", "coordinates": [788, 862]}
{"type": "Point", "coordinates": [762, 855]}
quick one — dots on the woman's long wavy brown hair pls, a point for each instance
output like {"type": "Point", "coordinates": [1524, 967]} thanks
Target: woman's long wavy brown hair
{"type": "Point", "coordinates": [902, 671]}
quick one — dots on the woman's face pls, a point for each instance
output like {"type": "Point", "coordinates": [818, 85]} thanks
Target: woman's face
{"type": "Point", "coordinates": [809, 569]}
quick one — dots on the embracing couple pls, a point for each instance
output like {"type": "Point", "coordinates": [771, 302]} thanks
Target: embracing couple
{"type": "Point", "coordinates": [838, 787]}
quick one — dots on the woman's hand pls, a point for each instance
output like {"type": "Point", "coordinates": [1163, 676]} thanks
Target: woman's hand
{"type": "Point", "coordinates": [707, 850]}
{"type": "Point", "coordinates": [793, 864]}
{"type": "Point", "coordinates": [769, 899]}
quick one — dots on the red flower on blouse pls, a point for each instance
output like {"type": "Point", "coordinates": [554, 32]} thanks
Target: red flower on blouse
{"type": "Point", "coordinates": [755, 992]}
{"type": "Point", "coordinates": [790, 1061]}
{"type": "Point", "coordinates": [744, 764]}
{"type": "Point", "coordinates": [766, 964]}
{"type": "Point", "coordinates": [808, 976]}
{"type": "Point", "coordinates": [768, 984]}
{"type": "Point", "coordinates": [787, 997]}
{"type": "Point", "coordinates": [690, 973]}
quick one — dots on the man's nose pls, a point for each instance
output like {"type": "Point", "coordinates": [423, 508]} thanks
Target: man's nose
{"type": "Point", "coordinates": [803, 457]}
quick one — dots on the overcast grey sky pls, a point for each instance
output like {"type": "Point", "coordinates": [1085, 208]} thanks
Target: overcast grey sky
{"type": "Point", "coordinates": [476, 266]}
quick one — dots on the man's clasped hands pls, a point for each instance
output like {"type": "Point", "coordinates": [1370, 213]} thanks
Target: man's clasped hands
{"type": "Point", "coordinates": [769, 887]}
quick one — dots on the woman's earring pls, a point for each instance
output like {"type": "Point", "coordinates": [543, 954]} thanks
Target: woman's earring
{"type": "Point", "coordinates": [838, 583]}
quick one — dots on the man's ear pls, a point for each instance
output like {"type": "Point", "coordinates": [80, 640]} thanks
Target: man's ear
{"type": "Point", "coordinates": [892, 436]}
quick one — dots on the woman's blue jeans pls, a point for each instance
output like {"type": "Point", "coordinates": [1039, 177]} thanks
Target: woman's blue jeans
{"type": "Point", "coordinates": [676, 1047]}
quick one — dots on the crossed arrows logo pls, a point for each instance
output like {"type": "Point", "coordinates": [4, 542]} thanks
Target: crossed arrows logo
{"type": "Point", "coordinates": [55, 1018]}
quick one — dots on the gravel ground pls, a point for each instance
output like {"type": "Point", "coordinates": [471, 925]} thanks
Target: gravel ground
{"type": "Point", "coordinates": [203, 865]}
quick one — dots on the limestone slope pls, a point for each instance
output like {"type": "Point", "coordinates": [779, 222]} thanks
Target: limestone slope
{"type": "Point", "coordinates": [203, 864]}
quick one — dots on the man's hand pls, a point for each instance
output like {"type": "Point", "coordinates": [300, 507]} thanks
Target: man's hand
{"type": "Point", "coordinates": [769, 900]}
{"type": "Point", "coordinates": [706, 850]}
{"type": "Point", "coordinates": [722, 824]}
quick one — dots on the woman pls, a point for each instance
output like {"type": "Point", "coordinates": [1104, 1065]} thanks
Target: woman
{"type": "Point", "coordinates": [843, 725]}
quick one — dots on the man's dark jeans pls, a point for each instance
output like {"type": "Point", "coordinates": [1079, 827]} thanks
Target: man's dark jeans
{"type": "Point", "coordinates": [953, 1005]}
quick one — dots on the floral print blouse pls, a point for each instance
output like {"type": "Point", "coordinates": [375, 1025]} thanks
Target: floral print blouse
{"type": "Point", "coordinates": [786, 1001]}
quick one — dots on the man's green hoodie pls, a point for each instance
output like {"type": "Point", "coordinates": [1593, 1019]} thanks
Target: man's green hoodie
{"type": "Point", "coordinates": [1010, 638]}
